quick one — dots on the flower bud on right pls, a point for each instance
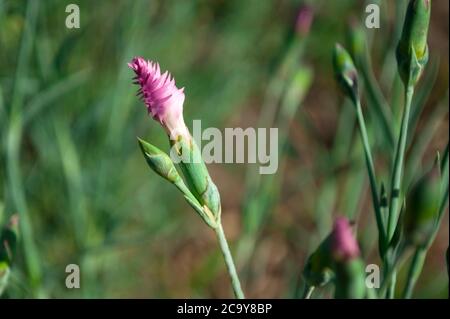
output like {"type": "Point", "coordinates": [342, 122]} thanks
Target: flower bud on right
{"type": "Point", "coordinates": [412, 49]}
{"type": "Point", "coordinates": [422, 208]}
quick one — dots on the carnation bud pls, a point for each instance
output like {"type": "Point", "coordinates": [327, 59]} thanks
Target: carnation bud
{"type": "Point", "coordinates": [412, 49]}
{"type": "Point", "coordinates": [163, 99]}
{"type": "Point", "coordinates": [422, 208]}
{"type": "Point", "coordinates": [159, 161]}
{"type": "Point", "coordinates": [343, 244]}
{"type": "Point", "coordinates": [345, 72]}
{"type": "Point", "coordinates": [348, 266]}
{"type": "Point", "coordinates": [164, 102]}
{"type": "Point", "coordinates": [304, 20]}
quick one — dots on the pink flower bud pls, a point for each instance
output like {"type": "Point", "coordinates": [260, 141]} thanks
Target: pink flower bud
{"type": "Point", "coordinates": [304, 20]}
{"type": "Point", "coordinates": [343, 244]}
{"type": "Point", "coordinates": [163, 99]}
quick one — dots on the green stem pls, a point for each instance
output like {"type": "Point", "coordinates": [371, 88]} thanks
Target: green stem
{"type": "Point", "coordinates": [229, 262]}
{"type": "Point", "coordinates": [308, 292]}
{"type": "Point", "coordinates": [414, 272]}
{"type": "Point", "coordinates": [370, 170]}
{"type": "Point", "coordinates": [398, 172]}
{"type": "Point", "coordinates": [13, 143]}
{"type": "Point", "coordinates": [391, 265]}
{"type": "Point", "coordinates": [391, 290]}
{"type": "Point", "coordinates": [398, 165]}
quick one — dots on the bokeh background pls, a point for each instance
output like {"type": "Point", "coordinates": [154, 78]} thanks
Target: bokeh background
{"type": "Point", "coordinates": [72, 169]}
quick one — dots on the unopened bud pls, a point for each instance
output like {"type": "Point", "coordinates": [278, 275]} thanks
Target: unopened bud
{"type": "Point", "coordinates": [159, 161]}
{"type": "Point", "coordinates": [412, 49]}
{"type": "Point", "coordinates": [304, 20]}
{"type": "Point", "coordinates": [422, 208]}
{"type": "Point", "coordinates": [345, 71]}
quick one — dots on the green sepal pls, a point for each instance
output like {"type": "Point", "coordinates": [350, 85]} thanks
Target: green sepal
{"type": "Point", "coordinates": [318, 269]}
{"type": "Point", "coordinates": [196, 175]}
{"type": "Point", "coordinates": [161, 163]}
{"type": "Point", "coordinates": [423, 207]}
{"type": "Point", "coordinates": [350, 279]}
{"type": "Point", "coordinates": [415, 28]}
{"type": "Point", "coordinates": [412, 49]}
{"type": "Point", "coordinates": [203, 212]}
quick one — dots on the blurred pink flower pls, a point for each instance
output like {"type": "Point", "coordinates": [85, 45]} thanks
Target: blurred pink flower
{"type": "Point", "coordinates": [343, 243]}
{"type": "Point", "coordinates": [163, 99]}
{"type": "Point", "coordinates": [304, 20]}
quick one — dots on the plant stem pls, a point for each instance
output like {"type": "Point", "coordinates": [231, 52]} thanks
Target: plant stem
{"type": "Point", "coordinates": [398, 171]}
{"type": "Point", "coordinates": [398, 165]}
{"type": "Point", "coordinates": [229, 262]}
{"type": "Point", "coordinates": [308, 292]}
{"type": "Point", "coordinates": [392, 263]}
{"type": "Point", "coordinates": [13, 145]}
{"type": "Point", "coordinates": [370, 170]}
{"type": "Point", "coordinates": [391, 291]}
{"type": "Point", "coordinates": [414, 271]}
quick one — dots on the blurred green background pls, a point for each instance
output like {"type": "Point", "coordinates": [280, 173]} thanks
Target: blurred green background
{"type": "Point", "coordinates": [72, 169]}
